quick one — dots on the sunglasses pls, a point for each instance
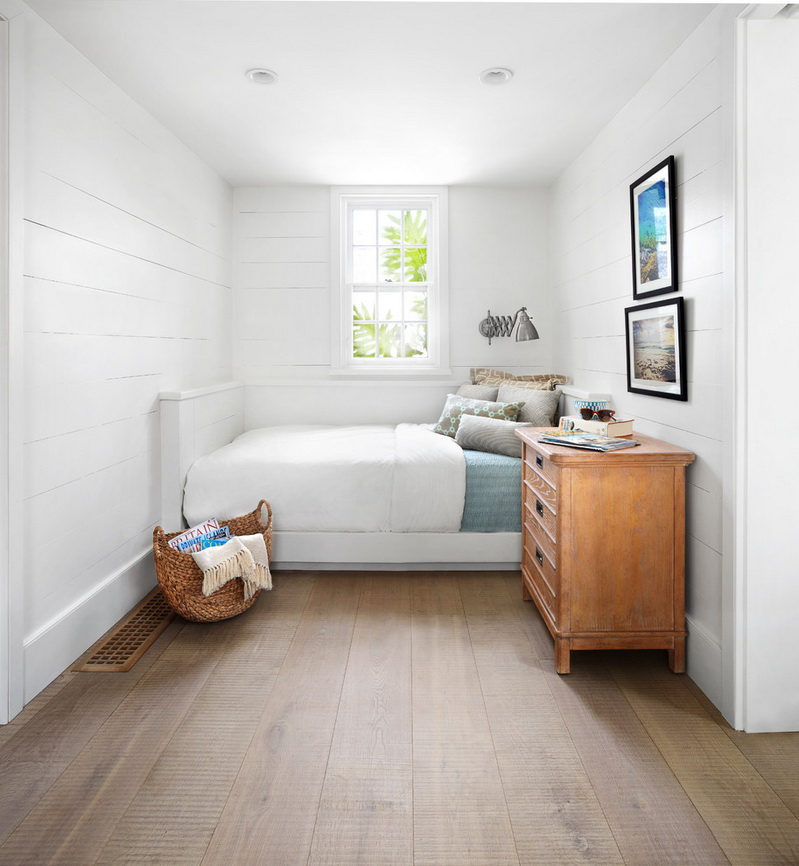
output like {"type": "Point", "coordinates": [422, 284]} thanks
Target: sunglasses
{"type": "Point", "coordinates": [601, 414]}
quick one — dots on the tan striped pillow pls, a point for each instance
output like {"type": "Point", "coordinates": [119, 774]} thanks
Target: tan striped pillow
{"type": "Point", "coordinates": [547, 385]}
{"type": "Point", "coordinates": [479, 375]}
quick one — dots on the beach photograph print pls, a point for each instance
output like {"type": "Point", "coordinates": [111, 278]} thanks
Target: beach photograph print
{"type": "Point", "coordinates": [656, 349]}
{"type": "Point", "coordinates": [653, 231]}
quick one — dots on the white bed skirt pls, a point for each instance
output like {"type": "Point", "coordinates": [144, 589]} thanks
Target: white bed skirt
{"type": "Point", "coordinates": [386, 551]}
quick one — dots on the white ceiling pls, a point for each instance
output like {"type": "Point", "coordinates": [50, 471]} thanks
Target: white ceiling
{"type": "Point", "coordinates": [377, 91]}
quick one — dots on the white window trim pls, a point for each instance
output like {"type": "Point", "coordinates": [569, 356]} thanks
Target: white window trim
{"type": "Point", "coordinates": [341, 362]}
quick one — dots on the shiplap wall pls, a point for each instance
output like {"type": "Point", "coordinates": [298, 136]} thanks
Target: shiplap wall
{"type": "Point", "coordinates": [127, 293]}
{"type": "Point", "coordinates": [498, 259]}
{"type": "Point", "coordinates": [682, 110]}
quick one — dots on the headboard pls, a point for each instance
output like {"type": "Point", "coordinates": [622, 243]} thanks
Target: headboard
{"type": "Point", "coordinates": [194, 423]}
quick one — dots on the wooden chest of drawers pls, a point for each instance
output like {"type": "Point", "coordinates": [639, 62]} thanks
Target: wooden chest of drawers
{"type": "Point", "coordinates": [603, 552]}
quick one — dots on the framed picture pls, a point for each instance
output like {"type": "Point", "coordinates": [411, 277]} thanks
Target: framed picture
{"type": "Point", "coordinates": [654, 232]}
{"type": "Point", "coordinates": [656, 349]}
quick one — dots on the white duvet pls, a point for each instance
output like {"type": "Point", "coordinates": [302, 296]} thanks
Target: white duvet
{"type": "Point", "coordinates": [334, 479]}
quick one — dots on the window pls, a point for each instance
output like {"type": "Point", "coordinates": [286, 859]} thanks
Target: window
{"type": "Point", "coordinates": [390, 275]}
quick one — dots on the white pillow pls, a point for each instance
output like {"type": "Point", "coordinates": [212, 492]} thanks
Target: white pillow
{"type": "Point", "coordinates": [489, 434]}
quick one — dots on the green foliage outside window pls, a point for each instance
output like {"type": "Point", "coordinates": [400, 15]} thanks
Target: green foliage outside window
{"type": "Point", "coordinates": [372, 339]}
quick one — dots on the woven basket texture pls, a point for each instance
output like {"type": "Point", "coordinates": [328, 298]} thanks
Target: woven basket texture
{"type": "Point", "coordinates": [181, 580]}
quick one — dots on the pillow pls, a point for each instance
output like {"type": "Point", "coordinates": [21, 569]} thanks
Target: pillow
{"type": "Point", "coordinates": [489, 434]}
{"type": "Point", "coordinates": [456, 406]}
{"type": "Point", "coordinates": [479, 375]}
{"type": "Point", "coordinates": [478, 392]}
{"type": "Point", "coordinates": [548, 385]}
{"type": "Point", "coordinates": [539, 407]}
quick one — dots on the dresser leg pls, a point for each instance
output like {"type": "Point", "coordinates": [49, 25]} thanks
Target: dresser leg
{"type": "Point", "coordinates": [677, 656]}
{"type": "Point", "coordinates": [525, 591]}
{"type": "Point", "coordinates": [562, 656]}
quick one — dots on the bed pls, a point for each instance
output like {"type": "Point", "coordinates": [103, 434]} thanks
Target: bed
{"type": "Point", "coordinates": [357, 479]}
{"type": "Point", "coordinates": [365, 496]}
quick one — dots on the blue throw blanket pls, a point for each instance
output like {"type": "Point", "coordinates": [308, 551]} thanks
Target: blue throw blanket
{"type": "Point", "coordinates": [493, 493]}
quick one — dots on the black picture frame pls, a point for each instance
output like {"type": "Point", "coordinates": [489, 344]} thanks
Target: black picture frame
{"type": "Point", "coordinates": [653, 223]}
{"type": "Point", "coordinates": [656, 362]}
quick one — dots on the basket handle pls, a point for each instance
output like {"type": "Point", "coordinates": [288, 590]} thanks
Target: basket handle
{"type": "Point", "coordinates": [259, 511]}
{"type": "Point", "coordinates": [159, 538]}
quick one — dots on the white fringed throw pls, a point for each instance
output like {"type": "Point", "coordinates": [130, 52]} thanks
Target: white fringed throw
{"type": "Point", "coordinates": [243, 556]}
{"type": "Point", "coordinates": [260, 577]}
{"type": "Point", "coordinates": [223, 563]}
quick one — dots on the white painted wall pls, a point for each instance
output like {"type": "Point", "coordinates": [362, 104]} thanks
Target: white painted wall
{"type": "Point", "coordinates": [769, 138]}
{"type": "Point", "coordinates": [683, 110]}
{"type": "Point", "coordinates": [127, 293]}
{"type": "Point", "coordinates": [498, 259]}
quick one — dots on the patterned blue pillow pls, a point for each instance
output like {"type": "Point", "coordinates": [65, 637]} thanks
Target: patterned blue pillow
{"type": "Point", "coordinates": [457, 406]}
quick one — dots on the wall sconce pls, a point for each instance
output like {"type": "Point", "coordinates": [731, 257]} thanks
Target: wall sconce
{"type": "Point", "coordinates": [502, 326]}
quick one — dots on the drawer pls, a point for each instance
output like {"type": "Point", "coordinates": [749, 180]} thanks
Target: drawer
{"type": "Point", "coordinates": [537, 487]}
{"type": "Point", "coordinates": [543, 575]}
{"type": "Point", "coordinates": [536, 508]}
{"type": "Point", "coordinates": [542, 464]}
{"type": "Point", "coordinates": [539, 544]}
{"type": "Point", "coordinates": [539, 591]}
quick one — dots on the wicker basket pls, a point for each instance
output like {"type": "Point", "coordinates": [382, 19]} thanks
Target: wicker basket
{"type": "Point", "coordinates": [181, 580]}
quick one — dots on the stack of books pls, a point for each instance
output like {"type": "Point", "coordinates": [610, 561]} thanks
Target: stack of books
{"type": "Point", "coordinates": [604, 428]}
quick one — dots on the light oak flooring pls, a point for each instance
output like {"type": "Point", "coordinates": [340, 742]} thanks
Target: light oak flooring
{"type": "Point", "coordinates": [404, 718]}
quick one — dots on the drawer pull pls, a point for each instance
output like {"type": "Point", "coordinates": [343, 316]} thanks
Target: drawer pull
{"type": "Point", "coordinates": [539, 460]}
{"type": "Point", "coordinates": [539, 556]}
{"type": "Point", "coordinates": [539, 507]}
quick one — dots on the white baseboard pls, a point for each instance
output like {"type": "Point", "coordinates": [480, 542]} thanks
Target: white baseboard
{"type": "Point", "coordinates": [53, 648]}
{"type": "Point", "coordinates": [703, 661]}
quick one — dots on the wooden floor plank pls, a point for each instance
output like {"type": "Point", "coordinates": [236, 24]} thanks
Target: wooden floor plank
{"type": "Point", "coordinates": [410, 718]}
{"type": "Point", "coordinates": [460, 814]}
{"type": "Point", "coordinates": [554, 811]}
{"type": "Point", "coordinates": [271, 812]}
{"type": "Point", "coordinates": [365, 813]}
{"type": "Point", "coordinates": [774, 755]}
{"type": "Point", "coordinates": [39, 752]}
{"type": "Point", "coordinates": [652, 818]}
{"type": "Point", "coordinates": [751, 823]}
{"type": "Point", "coordinates": [176, 810]}
{"type": "Point", "coordinates": [75, 818]}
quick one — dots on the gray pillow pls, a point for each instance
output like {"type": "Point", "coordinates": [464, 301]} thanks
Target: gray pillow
{"type": "Point", "coordinates": [540, 407]}
{"type": "Point", "coordinates": [489, 434]}
{"type": "Point", "coordinates": [456, 407]}
{"type": "Point", "coordinates": [478, 392]}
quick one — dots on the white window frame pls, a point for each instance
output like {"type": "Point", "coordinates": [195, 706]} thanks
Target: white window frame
{"type": "Point", "coordinates": [342, 202]}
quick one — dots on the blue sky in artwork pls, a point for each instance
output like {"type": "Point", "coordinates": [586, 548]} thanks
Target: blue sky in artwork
{"type": "Point", "coordinates": [652, 201]}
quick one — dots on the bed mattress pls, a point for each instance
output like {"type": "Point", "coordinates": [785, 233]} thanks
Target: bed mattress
{"type": "Point", "coordinates": [376, 478]}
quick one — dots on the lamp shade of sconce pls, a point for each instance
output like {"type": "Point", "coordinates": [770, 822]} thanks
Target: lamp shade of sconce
{"type": "Point", "coordinates": [526, 329]}
{"type": "Point", "coordinates": [502, 326]}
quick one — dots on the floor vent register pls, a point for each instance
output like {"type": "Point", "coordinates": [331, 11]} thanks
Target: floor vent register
{"type": "Point", "coordinates": [120, 649]}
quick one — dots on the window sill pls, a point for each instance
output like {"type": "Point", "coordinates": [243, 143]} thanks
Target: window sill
{"type": "Point", "coordinates": [434, 377]}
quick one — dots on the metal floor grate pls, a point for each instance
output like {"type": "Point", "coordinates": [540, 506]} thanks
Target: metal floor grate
{"type": "Point", "coordinates": [122, 647]}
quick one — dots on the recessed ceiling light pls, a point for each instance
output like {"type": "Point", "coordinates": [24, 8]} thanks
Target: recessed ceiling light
{"type": "Point", "coordinates": [262, 76]}
{"type": "Point", "coordinates": [497, 75]}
